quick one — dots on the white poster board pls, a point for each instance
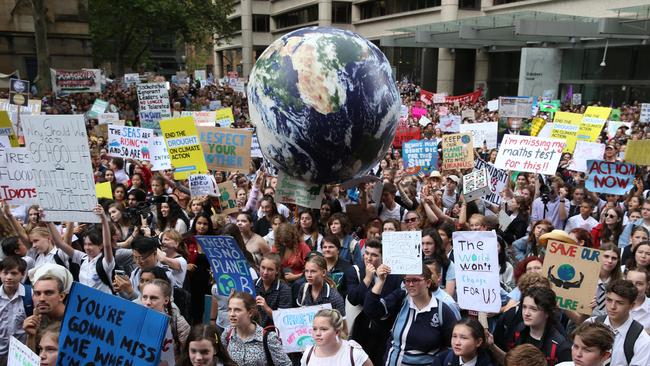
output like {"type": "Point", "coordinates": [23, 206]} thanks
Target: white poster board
{"type": "Point", "coordinates": [203, 185]}
{"type": "Point", "coordinates": [16, 176]}
{"type": "Point", "coordinates": [159, 154]}
{"type": "Point", "coordinates": [493, 105]}
{"type": "Point", "coordinates": [476, 261]}
{"type": "Point", "coordinates": [486, 131]}
{"type": "Point", "coordinates": [295, 325]}
{"type": "Point", "coordinates": [584, 151]}
{"type": "Point", "coordinates": [644, 117]}
{"type": "Point", "coordinates": [529, 154]}
{"type": "Point", "coordinates": [450, 123]}
{"type": "Point", "coordinates": [21, 355]}
{"type": "Point", "coordinates": [153, 99]}
{"type": "Point", "coordinates": [129, 142]}
{"type": "Point", "coordinates": [402, 252]}
{"type": "Point", "coordinates": [108, 118]}
{"type": "Point", "coordinates": [293, 191]}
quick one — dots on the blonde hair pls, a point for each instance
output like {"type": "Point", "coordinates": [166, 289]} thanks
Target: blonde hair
{"type": "Point", "coordinates": [322, 264]}
{"type": "Point", "coordinates": [41, 231]}
{"type": "Point", "coordinates": [336, 320]}
{"type": "Point", "coordinates": [173, 235]}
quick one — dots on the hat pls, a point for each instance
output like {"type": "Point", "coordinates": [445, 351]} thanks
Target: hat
{"type": "Point", "coordinates": [55, 270]}
{"type": "Point", "coordinates": [558, 235]}
{"type": "Point", "coordinates": [453, 178]}
{"type": "Point", "coordinates": [435, 174]}
{"type": "Point", "coordinates": [612, 146]}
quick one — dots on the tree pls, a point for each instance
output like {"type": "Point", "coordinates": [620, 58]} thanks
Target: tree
{"type": "Point", "coordinates": [43, 80]}
{"type": "Point", "coordinates": [123, 31]}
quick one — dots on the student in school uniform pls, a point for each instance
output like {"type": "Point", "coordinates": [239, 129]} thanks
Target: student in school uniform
{"type": "Point", "coordinates": [15, 304]}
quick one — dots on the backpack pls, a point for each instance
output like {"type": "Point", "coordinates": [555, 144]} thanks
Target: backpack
{"type": "Point", "coordinates": [101, 273]}
{"type": "Point", "coordinates": [630, 337]}
{"type": "Point", "coordinates": [304, 294]}
{"type": "Point", "coordinates": [28, 301]}
{"type": "Point", "coordinates": [265, 341]}
{"type": "Point", "coordinates": [312, 351]}
{"type": "Point", "coordinates": [551, 359]}
{"type": "Point", "coordinates": [71, 266]}
{"type": "Point", "coordinates": [183, 300]}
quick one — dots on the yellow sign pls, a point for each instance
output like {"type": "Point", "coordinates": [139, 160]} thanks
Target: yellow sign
{"type": "Point", "coordinates": [638, 152]}
{"type": "Point", "coordinates": [593, 122]}
{"type": "Point", "coordinates": [104, 190]}
{"type": "Point", "coordinates": [566, 126]}
{"type": "Point", "coordinates": [598, 112]}
{"type": "Point", "coordinates": [226, 148]}
{"type": "Point", "coordinates": [184, 147]}
{"type": "Point", "coordinates": [7, 129]}
{"type": "Point", "coordinates": [225, 117]}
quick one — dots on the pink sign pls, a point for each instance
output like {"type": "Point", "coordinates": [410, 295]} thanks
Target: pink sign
{"type": "Point", "coordinates": [418, 112]}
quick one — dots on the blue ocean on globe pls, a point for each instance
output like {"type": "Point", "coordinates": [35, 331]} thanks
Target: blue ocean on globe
{"type": "Point", "coordinates": [324, 104]}
{"type": "Point", "coordinates": [566, 272]}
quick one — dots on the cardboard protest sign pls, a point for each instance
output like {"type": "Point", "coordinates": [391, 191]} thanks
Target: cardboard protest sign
{"type": "Point", "coordinates": [227, 198]}
{"type": "Point", "coordinates": [76, 81]}
{"type": "Point", "coordinates": [6, 129]}
{"type": "Point", "coordinates": [203, 185]}
{"type": "Point", "coordinates": [153, 99]}
{"type": "Point", "coordinates": [295, 325]}
{"type": "Point", "coordinates": [504, 220]}
{"type": "Point", "coordinates": [421, 155]}
{"type": "Point", "coordinates": [108, 118]}
{"type": "Point", "coordinates": [638, 152]}
{"type": "Point", "coordinates": [450, 123]}
{"type": "Point", "coordinates": [201, 118]}
{"type": "Point", "coordinates": [475, 185]}
{"type": "Point", "coordinates": [443, 110]}
{"type": "Point", "coordinates": [20, 355]}
{"type": "Point", "coordinates": [520, 107]}
{"type": "Point", "coordinates": [457, 151]}
{"type": "Point", "coordinates": [61, 164]}
{"type": "Point", "coordinates": [403, 134]}
{"type": "Point", "coordinates": [424, 121]}
{"type": "Point", "coordinates": [99, 106]}
{"type": "Point", "coordinates": [99, 328]}
{"type": "Point", "coordinates": [17, 181]}
{"type": "Point", "coordinates": [129, 142]}
{"type": "Point", "coordinates": [224, 117]}
{"type": "Point", "coordinates": [226, 149]}
{"type": "Point", "coordinates": [644, 116]}
{"type": "Point", "coordinates": [230, 269]}
{"type": "Point", "coordinates": [159, 154]}
{"type": "Point", "coordinates": [133, 78]}
{"type": "Point", "coordinates": [402, 251]}
{"type": "Point", "coordinates": [573, 272]}
{"type": "Point", "coordinates": [610, 177]}
{"type": "Point", "coordinates": [529, 154]}
{"type": "Point", "coordinates": [469, 114]}
{"type": "Point", "coordinates": [566, 126]}
{"type": "Point", "coordinates": [593, 121]}
{"type": "Point", "coordinates": [497, 179]}
{"type": "Point", "coordinates": [485, 132]}
{"type": "Point", "coordinates": [476, 260]}
{"type": "Point", "coordinates": [584, 151]}
{"type": "Point", "coordinates": [493, 105]}
{"type": "Point", "coordinates": [613, 126]}
{"type": "Point", "coordinates": [293, 191]}
{"type": "Point", "coordinates": [184, 147]}
{"type": "Point", "coordinates": [19, 92]}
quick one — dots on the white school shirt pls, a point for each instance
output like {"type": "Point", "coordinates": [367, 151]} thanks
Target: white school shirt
{"type": "Point", "coordinates": [642, 314]}
{"type": "Point", "coordinates": [342, 357]}
{"type": "Point", "coordinates": [88, 270]}
{"type": "Point", "coordinates": [641, 346]}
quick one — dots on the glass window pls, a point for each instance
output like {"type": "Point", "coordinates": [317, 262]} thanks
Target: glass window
{"type": "Point", "coordinates": [501, 2]}
{"type": "Point", "coordinates": [341, 12]}
{"type": "Point", "coordinates": [261, 23]}
{"type": "Point", "coordinates": [235, 24]}
{"type": "Point", "coordinates": [469, 4]}
{"type": "Point", "coordinates": [297, 17]}
{"type": "Point", "coordinates": [378, 8]}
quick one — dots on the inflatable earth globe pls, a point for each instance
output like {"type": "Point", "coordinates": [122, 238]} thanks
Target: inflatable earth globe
{"type": "Point", "coordinates": [324, 104]}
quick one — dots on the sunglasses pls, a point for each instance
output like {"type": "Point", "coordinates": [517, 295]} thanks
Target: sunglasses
{"type": "Point", "coordinates": [413, 219]}
{"type": "Point", "coordinates": [611, 216]}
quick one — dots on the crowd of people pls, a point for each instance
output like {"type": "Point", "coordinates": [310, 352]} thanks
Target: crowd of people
{"type": "Point", "coordinates": [144, 250]}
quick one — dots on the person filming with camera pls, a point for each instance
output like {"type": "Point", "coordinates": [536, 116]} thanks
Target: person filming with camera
{"type": "Point", "coordinates": [551, 204]}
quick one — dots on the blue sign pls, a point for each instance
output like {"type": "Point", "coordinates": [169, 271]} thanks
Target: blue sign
{"type": "Point", "coordinates": [102, 329]}
{"type": "Point", "coordinates": [610, 177]}
{"type": "Point", "coordinates": [230, 268]}
{"type": "Point", "coordinates": [420, 153]}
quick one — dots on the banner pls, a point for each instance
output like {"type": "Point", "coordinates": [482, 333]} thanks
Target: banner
{"type": "Point", "coordinates": [227, 198]}
{"type": "Point", "coordinates": [585, 151]}
{"type": "Point", "coordinates": [129, 142]}
{"type": "Point", "coordinates": [476, 261]}
{"type": "Point", "coordinates": [99, 106]}
{"type": "Point", "coordinates": [21, 355]}
{"type": "Point", "coordinates": [573, 272]}
{"type": "Point", "coordinates": [465, 98]}
{"type": "Point", "coordinates": [19, 92]}
{"type": "Point", "coordinates": [457, 151]}
{"type": "Point", "coordinates": [518, 107]}
{"type": "Point", "coordinates": [529, 154]}
{"type": "Point", "coordinates": [403, 134]}
{"type": "Point", "coordinates": [638, 152]}
{"type": "Point", "coordinates": [230, 269]}
{"type": "Point", "coordinates": [108, 118]}
{"type": "Point", "coordinates": [202, 118]}
{"type": "Point", "coordinates": [184, 147]}
{"type": "Point", "coordinates": [610, 177]}
{"type": "Point", "coordinates": [426, 97]}
{"type": "Point", "coordinates": [420, 154]}
{"type": "Point", "coordinates": [159, 154]}
{"type": "Point", "coordinates": [224, 117]}
{"type": "Point", "coordinates": [497, 178]}
{"type": "Point", "coordinates": [63, 174]}
{"type": "Point", "coordinates": [644, 117]}
{"type": "Point", "coordinates": [450, 123]}
{"type": "Point", "coordinates": [566, 126]}
{"type": "Point", "coordinates": [226, 149]}
{"type": "Point", "coordinates": [17, 183]}
{"type": "Point", "coordinates": [293, 191]}
{"type": "Point", "coordinates": [76, 81]}
{"type": "Point", "coordinates": [153, 99]}
{"type": "Point", "coordinates": [295, 325]}
{"type": "Point", "coordinates": [402, 252]}
{"type": "Point", "coordinates": [485, 132]}
{"type": "Point", "coordinates": [203, 185]}
{"type": "Point", "coordinates": [102, 329]}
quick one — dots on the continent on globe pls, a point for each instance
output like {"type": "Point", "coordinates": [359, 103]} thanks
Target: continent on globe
{"type": "Point", "coordinates": [324, 104]}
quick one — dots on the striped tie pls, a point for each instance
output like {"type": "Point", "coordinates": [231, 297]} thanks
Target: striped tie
{"type": "Point", "coordinates": [600, 297]}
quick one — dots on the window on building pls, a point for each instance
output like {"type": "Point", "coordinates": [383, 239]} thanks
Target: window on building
{"type": "Point", "coordinates": [378, 8]}
{"type": "Point", "coordinates": [341, 12]}
{"type": "Point", "coordinates": [261, 23]}
{"type": "Point", "coordinates": [469, 4]}
{"type": "Point", "coordinates": [235, 24]}
{"type": "Point", "coordinates": [501, 2]}
{"type": "Point", "coordinates": [297, 17]}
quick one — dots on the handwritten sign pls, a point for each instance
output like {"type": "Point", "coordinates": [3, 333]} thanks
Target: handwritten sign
{"type": "Point", "coordinates": [610, 177]}
{"type": "Point", "coordinates": [63, 176]}
{"type": "Point", "coordinates": [184, 148]}
{"type": "Point", "coordinates": [295, 325]}
{"type": "Point", "coordinates": [133, 78]}
{"type": "Point", "coordinates": [230, 269]}
{"type": "Point", "coordinates": [493, 105]}
{"type": "Point", "coordinates": [469, 114]}
{"type": "Point", "coordinates": [226, 149]}
{"type": "Point", "coordinates": [573, 272]}
{"type": "Point", "coordinates": [203, 185]}
{"type": "Point", "coordinates": [293, 191]}
{"type": "Point", "coordinates": [644, 117]}
{"type": "Point", "coordinates": [497, 179]}
{"type": "Point", "coordinates": [256, 152]}
{"type": "Point", "coordinates": [17, 184]}
{"type": "Point", "coordinates": [529, 154]}
{"type": "Point", "coordinates": [584, 151]}
{"type": "Point", "coordinates": [476, 258]}
{"type": "Point", "coordinates": [420, 154]}
{"type": "Point", "coordinates": [201, 118]}
{"type": "Point", "coordinates": [153, 99]}
{"type": "Point", "coordinates": [227, 198]}
{"type": "Point", "coordinates": [129, 142]}
{"type": "Point", "coordinates": [638, 152]}
{"type": "Point", "coordinates": [475, 185]}
{"type": "Point", "coordinates": [450, 123]}
{"type": "Point", "coordinates": [159, 154]}
{"type": "Point", "coordinates": [108, 118]}
{"type": "Point", "coordinates": [402, 251]}
{"type": "Point", "coordinates": [457, 151]}
{"type": "Point", "coordinates": [518, 107]}
{"type": "Point", "coordinates": [566, 126]}
{"type": "Point", "coordinates": [485, 132]}
{"type": "Point", "coordinates": [21, 355]}
{"type": "Point", "coordinates": [224, 117]}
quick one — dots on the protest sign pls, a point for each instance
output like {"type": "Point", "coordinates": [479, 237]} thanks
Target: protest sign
{"type": "Point", "coordinates": [610, 177]}
{"type": "Point", "coordinates": [402, 251]}
{"type": "Point", "coordinates": [566, 126]}
{"type": "Point", "coordinates": [184, 147]}
{"type": "Point", "coordinates": [469, 114]}
{"type": "Point", "coordinates": [536, 126]}
{"type": "Point", "coordinates": [504, 220]}
{"type": "Point", "coordinates": [102, 329]}
{"type": "Point", "coordinates": [476, 260]}
{"type": "Point", "coordinates": [6, 129]}
{"type": "Point", "coordinates": [439, 98]}
{"type": "Point", "coordinates": [584, 151]}
{"type": "Point", "coordinates": [497, 179]}
{"type": "Point", "coordinates": [214, 105]}
{"type": "Point", "coordinates": [224, 117]}
{"type": "Point", "coordinates": [443, 110]}
{"type": "Point", "coordinates": [295, 325]}
{"type": "Point", "coordinates": [450, 123]}
{"type": "Point", "coordinates": [99, 106]}
{"type": "Point", "coordinates": [153, 99]}
{"type": "Point", "coordinates": [133, 78]}
{"type": "Point", "coordinates": [20, 355]}
{"type": "Point", "coordinates": [203, 185]}
{"type": "Point", "coordinates": [159, 154]}
{"type": "Point", "coordinates": [201, 118]}
{"type": "Point", "coordinates": [17, 181]}
{"type": "Point", "coordinates": [293, 191]}
{"type": "Point", "coordinates": [104, 190]}
{"type": "Point", "coordinates": [485, 132]}
{"type": "Point", "coordinates": [457, 151]}
{"type": "Point", "coordinates": [644, 117]}
{"type": "Point", "coordinates": [426, 97]}
{"type": "Point", "coordinates": [403, 134]}
{"type": "Point", "coordinates": [200, 75]}
{"type": "Point", "coordinates": [63, 173]}
{"type": "Point", "coordinates": [421, 155]}
{"type": "Point", "coordinates": [547, 95]}
{"type": "Point", "coordinates": [493, 105]}
{"type": "Point", "coordinates": [519, 107]}
{"type": "Point", "coordinates": [576, 99]}
{"type": "Point", "coordinates": [613, 126]}
{"type": "Point", "coordinates": [418, 112]}
{"type": "Point", "coordinates": [573, 272]}
{"type": "Point", "coordinates": [616, 114]}
{"type": "Point", "coordinates": [230, 269]}
{"type": "Point", "coordinates": [226, 149]}
{"type": "Point", "coordinates": [593, 121]}
{"type": "Point", "coordinates": [227, 198]}
{"type": "Point", "coordinates": [108, 118]}
{"type": "Point", "coordinates": [550, 107]}
{"type": "Point", "coordinates": [256, 152]}
{"type": "Point", "coordinates": [424, 121]}
{"type": "Point", "coordinates": [129, 142]}
{"type": "Point", "coordinates": [638, 152]}
{"type": "Point", "coordinates": [403, 112]}
{"type": "Point", "coordinates": [76, 81]}
{"type": "Point", "coordinates": [475, 185]}
{"type": "Point", "coordinates": [18, 92]}
{"type": "Point", "coordinates": [529, 154]}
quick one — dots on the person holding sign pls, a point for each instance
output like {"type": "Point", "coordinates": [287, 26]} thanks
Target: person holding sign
{"type": "Point", "coordinates": [204, 348]}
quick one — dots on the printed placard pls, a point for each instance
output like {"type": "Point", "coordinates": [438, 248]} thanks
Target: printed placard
{"type": "Point", "coordinates": [184, 147]}
{"type": "Point", "coordinates": [402, 251]}
{"type": "Point", "coordinates": [19, 92]}
{"type": "Point", "coordinates": [644, 117]}
{"type": "Point", "coordinates": [153, 99]}
{"type": "Point", "coordinates": [203, 185]}
{"type": "Point", "coordinates": [99, 106]}
{"type": "Point", "coordinates": [638, 152]}
{"type": "Point", "coordinates": [21, 355]}
{"type": "Point", "coordinates": [108, 118]}
{"type": "Point", "coordinates": [129, 142]}
{"type": "Point", "coordinates": [226, 149]}
{"type": "Point", "coordinates": [63, 173]}
{"type": "Point", "coordinates": [485, 132]}
{"type": "Point", "coordinates": [529, 154]}
{"type": "Point", "coordinates": [610, 177]}
{"type": "Point", "coordinates": [224, 117]}
{"type": "Point", "coordinates": [475, 185]}
{"type": "Point", "coordinates": [450, 123]}
{"type": "Point", "coordinates": [566, 126]}
{"type": "Point", "coordinates": [227, 198]}
{"type": "Point", "coordinates": [293, 191]}
{"type": "Point", "coordinates": [295, 325]}
{"type": "Point", "coordinates": [573, 272]}
{"type": "Point", "coordinates": [76, 81]}
{"type": "Point", "coordinates": [584, 151]}
{"type": "Point", "coordinates": [421, 155]}
{"type": "Point", "coordinates": [497, 178]}
{"type": "Point", "coordinates": [576, 99]}
{"type": "Point", "coordinates": [476, 261]}
{"type": "Point", "coordinates": [230, 269]}
{"type": "Point", "coordinates": [17, 182]}
{"type": "Point", "coordinates": [593, 121]}
{"type": "Point", "coordinates": [457, 151]}
{"type": "Point", "coordinates": [159, 154]}
{"type": "Point", "coordinates": [202, 118]}
{"type": "Point", "coordinates": [518, 107]}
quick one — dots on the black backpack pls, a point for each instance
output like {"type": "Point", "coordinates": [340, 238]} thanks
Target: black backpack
{"type": "Point", "coordinates": [630, 337]}
{"type": "Point", "coordinates": [74, 268]}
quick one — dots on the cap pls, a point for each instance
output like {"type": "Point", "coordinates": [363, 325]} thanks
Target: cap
{"type": "Point", "coordinates": [435, 174]}
{"type": "Point", "coordinates": [454, 178]}
{"type": "Point", "coordinates": [610, 146]}
{"type": "Point", "coordinates": [558, 235]}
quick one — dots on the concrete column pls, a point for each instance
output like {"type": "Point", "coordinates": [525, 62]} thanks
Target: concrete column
{"type": "Point", "coordinates": [272, 24]}
{"type": "Point", "coordinates": [325, 13]}
{"type": "Point", "coordinates": [486, 3]}
{"type": "Point", "coordinates": [447, 59]}
{"type": "Point", "coordinates": [356, 13]}
{"type": "Point", "coordinates": [247, 36]}
{"type": "Point", "coordinates": [481, 70]}
{"type": "Point", "coordinates": [218, 65]}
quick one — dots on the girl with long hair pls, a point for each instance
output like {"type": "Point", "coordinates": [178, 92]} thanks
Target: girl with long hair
{"type": "Point", "coordinates": [319, 288]}
{"type": "Point", "coordinates": [205, 348]}
{"type": "Point", "coordinates": [253, 242]}
{"type": "Point", "coordinates": [292, 251]}
{"type": "Point", "coordinates": [609, 229]}
{"type": "Point", "coordinates": [121, 223]}
{"type": "Point", "coordinates": [340, 226]}
{"type": "Point", "coordinates": [308, 227]}
{"type": "Point", "coordinates": [610, 270]}
{"type": "Point", "coordinates": [272, 291]}
{"type": "Point", "coordinates": [638, 235]}
{"type": "Point", "coordinates": [433, 248]}
{"type": "Point", "coordinates": [175, 255]}
{"type": "Point", "coordinates": [518, 209]}
{"type": "Point", "coordinates": [170, 216]}
{"type": "Point", "coordinates": [468, 345]}
{"type": "Point", "coordinates": [528, 245]}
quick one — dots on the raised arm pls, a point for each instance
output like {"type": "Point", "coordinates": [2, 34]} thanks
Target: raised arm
{"type": "Point", "coordinates": [18, 228]}
{"type": "Point", "coordinates": [106, 233]}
